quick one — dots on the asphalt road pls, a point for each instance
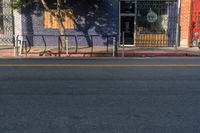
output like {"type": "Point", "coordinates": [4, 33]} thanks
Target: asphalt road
{"type": "Point", "coordinates": [100, 95]}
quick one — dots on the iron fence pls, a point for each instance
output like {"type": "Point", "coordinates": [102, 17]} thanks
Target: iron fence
{"type": "Point", "coordinates": [51, 44]}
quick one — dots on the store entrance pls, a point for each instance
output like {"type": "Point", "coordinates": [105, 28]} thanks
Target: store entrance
{"type": "Point", "coordinates": [127, 30]}
{"type": "Point", "coordinates": [148, 23]}
{"type": "Point", "coordinates": [127, 22]}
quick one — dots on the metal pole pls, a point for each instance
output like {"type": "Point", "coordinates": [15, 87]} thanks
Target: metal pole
{"type": "Point", "coordinates": [25, 46]}
{"type": "Point", "coordinates": [67, 46]}
{"type": "Point", "coordinates": [177, 24]}
{"type": "Point", "coordinates": [92, 48]}
{"type": "Point", "coordinates": [16, 52]}
{"type": "Point", "coordinates": [107, 43]}
{"type": "Point", "coordinates": [59, 43]}
{"type": "Point", "coordinates": [123, 41]}
{"type": "Point", "coordinates": [114, 43]}
{"type": "Point", "coordinates": [45, 44]}
{"type": "Point", "coordinates": [76, 51]}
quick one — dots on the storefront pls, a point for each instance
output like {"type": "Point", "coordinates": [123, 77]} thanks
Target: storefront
{"type": "Point", "coordinates": [151, 23]}
{"type": "Point", "coordinates": [140, 23]}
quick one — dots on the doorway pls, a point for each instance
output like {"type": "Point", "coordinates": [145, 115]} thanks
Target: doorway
{"type": "Point", "coordinates": [127, 30]}
{"type": "Point", "coordinates": [127, 22]}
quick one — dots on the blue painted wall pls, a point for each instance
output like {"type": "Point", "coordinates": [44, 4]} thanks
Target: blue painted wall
{"type": "Point", "coordinates": [93, 17]}
{"type": "Point", "coordinates": [172, 23]}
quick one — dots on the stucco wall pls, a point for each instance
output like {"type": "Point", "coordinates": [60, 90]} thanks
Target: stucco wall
{"type": "Point", "coordinates": [92, 17]}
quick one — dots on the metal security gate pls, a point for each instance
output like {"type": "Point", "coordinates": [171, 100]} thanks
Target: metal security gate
{"type": "Point", "coordinates": [149, 23]}
{"type": "Point", "coordinates": [6, 23]}
{"type": "Point", "coordinates": [156, 23]}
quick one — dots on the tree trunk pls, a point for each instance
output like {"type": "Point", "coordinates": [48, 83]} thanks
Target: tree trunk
{"type": "Point", "coordinates": [63, 37]}
{"type": "Point", "coordinates": [60, 19]}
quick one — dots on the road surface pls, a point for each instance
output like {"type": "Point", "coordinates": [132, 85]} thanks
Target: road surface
{"type": "Point", "coordinates": [100, 95]}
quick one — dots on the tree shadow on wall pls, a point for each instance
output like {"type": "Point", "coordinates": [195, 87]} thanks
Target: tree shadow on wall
{"type": "Point", "coordinates": [92, 17]}
{"type": "Point", "coordinates": [95, 17]}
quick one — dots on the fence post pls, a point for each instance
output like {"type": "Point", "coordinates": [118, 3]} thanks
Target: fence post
{"type": "Point", "coordinates": [107, 38]}
{"type": "Point", "coordinates": [76, 51]}
{"type": "Point", "coordinates": [25, 45]}
{"type": "Point", "coordinates": [16, 52]}
{"type": "Point", "coordinates": [92, 49]}
{"type": "Point", "coordinates": [123, 41]}
{"type": "Point", "coordinates": [114, 47]}
{"type": "Point", "coordinates": [45, 44]}
{"type": "Point", "coordinates": [59, 41]}
{"type": "Point", "coordinates": [67, 45]}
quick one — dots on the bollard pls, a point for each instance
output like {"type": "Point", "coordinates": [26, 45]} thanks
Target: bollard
{"type": "Point", "coordinates": [114, 45]}
{"type": "Point", "coordinates": [16, 52]}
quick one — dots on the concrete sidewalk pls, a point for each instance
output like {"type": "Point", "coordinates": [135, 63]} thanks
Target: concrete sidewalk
{"type": "Point", "coordinates": [8, 51]}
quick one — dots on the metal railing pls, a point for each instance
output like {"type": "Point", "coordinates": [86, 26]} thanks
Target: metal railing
{"type": "Point", "coordinates": [25, 43]}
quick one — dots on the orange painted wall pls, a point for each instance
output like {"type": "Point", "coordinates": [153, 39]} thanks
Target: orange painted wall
{"type": "Point", "coordinates": [185, 23]}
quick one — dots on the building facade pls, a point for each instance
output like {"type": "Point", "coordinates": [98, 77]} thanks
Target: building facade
{"type": "Point", "coordinates": [140, 23]}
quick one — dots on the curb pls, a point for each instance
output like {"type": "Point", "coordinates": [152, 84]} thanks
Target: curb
{"type": "Point", "coordinates": [10, 54]}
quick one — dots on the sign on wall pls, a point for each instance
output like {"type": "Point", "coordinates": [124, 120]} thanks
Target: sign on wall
{"type": "Point", "coordinates": [151, 16]}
